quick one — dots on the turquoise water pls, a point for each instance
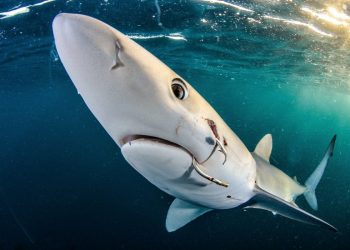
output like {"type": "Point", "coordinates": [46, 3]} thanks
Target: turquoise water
{"type": "Point", "coordinates": [279, 67]}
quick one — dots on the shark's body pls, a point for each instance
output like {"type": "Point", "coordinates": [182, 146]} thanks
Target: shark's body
{"type": "Point", "coordinates": [168, 132]}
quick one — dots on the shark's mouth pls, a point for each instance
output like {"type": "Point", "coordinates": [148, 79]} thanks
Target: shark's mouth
{"type": "Point", "coordinates": [131, 138]}
{"type": "Point", "coordinates": [195, 164]}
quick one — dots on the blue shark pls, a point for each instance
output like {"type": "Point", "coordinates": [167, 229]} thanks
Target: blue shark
{"type": "Point", "coordinates": [170, 134]}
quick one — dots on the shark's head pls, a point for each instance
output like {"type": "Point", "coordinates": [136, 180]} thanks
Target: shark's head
{"type": "Point", "coordinates": [131, 92]}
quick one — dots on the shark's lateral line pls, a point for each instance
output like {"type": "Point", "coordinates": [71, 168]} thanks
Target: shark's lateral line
{"type": "Point", "coordinates": [169, 133]}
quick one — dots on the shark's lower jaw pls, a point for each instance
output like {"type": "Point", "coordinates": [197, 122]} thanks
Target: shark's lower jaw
{"type": "Point", "coordinates": [158, 160]}
{"type": "Point", "coordinates": [132, 138]}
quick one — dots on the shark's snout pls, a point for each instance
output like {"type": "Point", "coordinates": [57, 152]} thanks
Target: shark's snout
{"type": "Point", "coordinates": [83, 42]}
{"type": "Point", "coordinates": [57, 21]}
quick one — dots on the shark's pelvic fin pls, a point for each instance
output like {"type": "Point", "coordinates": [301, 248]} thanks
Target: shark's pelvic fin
{"type": "Point", "coordinates": [270, 202]}
{"type": "Point", "coordinates": [182, 212]}
{"type": "Point", "coordinates": [264, 147]}
{"type": "Point", "coordinates": [312, 182]}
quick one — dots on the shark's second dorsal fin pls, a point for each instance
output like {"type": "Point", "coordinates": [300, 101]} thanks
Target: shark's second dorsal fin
{"type": "Point", "coordinates": [270, 202]}
{"type": "Point", "coordinates": [264, 147]}
{"type": "Point", "coordinates": [182, 212]}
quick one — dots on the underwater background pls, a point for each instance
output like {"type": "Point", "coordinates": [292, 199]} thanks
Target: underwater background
{"type": "Point", "coordinates": [266, 66]}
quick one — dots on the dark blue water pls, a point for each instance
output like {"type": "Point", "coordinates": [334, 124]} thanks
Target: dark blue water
{"type": "Point", "coordinates": [281, 68]}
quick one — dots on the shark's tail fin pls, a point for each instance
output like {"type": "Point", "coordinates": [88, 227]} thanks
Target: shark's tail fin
{"type": "Point", "coordinates": [313, 180]}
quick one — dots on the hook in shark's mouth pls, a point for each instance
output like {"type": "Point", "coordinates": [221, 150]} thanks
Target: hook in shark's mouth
{"type": "Point", "coordinates": [196, 165]}
{"type": "Point", "coordinates": [130, 138]}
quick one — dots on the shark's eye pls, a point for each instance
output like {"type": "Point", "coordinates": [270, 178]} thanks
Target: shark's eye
{"type": "Point", "coordinates": [179, 89]}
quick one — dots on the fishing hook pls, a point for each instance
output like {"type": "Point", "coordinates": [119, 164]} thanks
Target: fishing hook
{"type": "Point", "coordinates": [196, 166]}
{"type": "Point", "coordinates": [222, 150]}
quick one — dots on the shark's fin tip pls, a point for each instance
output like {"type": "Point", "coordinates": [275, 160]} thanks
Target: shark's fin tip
{"type": "Point", "coordinates": [181, 213]}
{"type": "Point", "coordinates": [270, 202]}
{"type": "Point", "coordinates": [264, 147]}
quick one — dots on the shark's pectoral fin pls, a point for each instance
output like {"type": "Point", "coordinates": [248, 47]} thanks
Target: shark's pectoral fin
{"type": "Point", "coordinates": [270, 202]}
{"type": "Point", "coordinates": [182, 212]}
{"type": "Point", "coordinates": [264, 147]}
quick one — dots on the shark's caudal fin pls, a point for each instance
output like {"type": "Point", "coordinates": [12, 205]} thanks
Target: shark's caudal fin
{"type": "Point", "coordinates": [182, 212]}
{"type": "Point", "coordinates": [312, 182]}
{"type": "Point", "coordinates": [270, 202]}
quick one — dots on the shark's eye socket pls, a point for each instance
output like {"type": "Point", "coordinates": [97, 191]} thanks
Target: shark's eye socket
{"type": "Point", "coordinates": [179, 89]}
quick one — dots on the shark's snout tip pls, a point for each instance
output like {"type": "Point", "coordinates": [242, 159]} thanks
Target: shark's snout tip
{"type": "Point", "coordinates": [65, 16]}
{"type": "Point", "coordinates": [62, 20]}
{"type": "Point", "coordinates": [60, 16]}
{"type": "Point", "coordinates": [58, 23]}
{"type": "Point", "coordinates": [58, 20]}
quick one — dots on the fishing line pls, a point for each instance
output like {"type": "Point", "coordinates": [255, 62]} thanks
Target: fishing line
{"type": "Point", "coordinates": [14, 216]}
{"type": "Point", "coordinates": [156, 3]}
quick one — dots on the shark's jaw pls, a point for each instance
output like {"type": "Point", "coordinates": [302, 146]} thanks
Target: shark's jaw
{"type": "Point", "coordinates": [132, 138]}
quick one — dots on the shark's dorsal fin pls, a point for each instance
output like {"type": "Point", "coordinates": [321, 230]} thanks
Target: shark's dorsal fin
{"type": "Point", "coordinates": [182, 212]}
{"type": "Point", "coordinates": [274, 204]}
{"type": "Point", "coordinates": [264, 147]}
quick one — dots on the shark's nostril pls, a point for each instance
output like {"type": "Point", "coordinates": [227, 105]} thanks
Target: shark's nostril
{"type": "Point", "coordinates": [118, 63]}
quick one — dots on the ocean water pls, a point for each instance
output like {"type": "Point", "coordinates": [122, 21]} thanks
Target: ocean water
{"type": "Point", "coordinates": [266, 66]}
